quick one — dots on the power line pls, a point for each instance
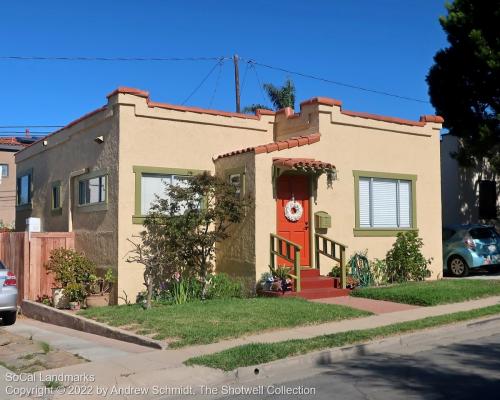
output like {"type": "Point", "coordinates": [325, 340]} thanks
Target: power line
{"type": "Point", "coordinates": [30, 126]}
{"type": "Point", "coordinates": [68, 58]}
{"type": "Point", "coordinates": [216, 84]}
{"type": "Point", "coordinates": [203, 81]}
{"type": "Point", "coordinates": [348, 85]}
{"type": "Point", "coordinates": [22, 132]}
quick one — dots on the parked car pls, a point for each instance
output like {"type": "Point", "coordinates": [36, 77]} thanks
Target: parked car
{"type": "Point", "coordinates": [466, 247]}
{"type": "Point", "coordinates": [8, 295]}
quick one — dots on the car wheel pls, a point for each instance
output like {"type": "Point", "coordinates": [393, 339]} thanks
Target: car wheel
{"type": "Point", "coordinates": [9, 318]}
{"type": "Point", "coordinates": [458, 267]}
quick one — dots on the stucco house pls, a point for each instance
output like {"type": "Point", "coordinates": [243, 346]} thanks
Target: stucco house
{"type": "Point", "coordinates": [323, 172]}
{"type": "Point", "coordinates": [470, 195]}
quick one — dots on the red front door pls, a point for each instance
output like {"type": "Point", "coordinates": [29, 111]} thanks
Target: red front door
{"type": "Point", "coordinates": [297, 187]}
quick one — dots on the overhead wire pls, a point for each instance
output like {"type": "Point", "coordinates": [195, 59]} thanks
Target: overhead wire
{"type": "Point", "coordinates": [221, 63]}
{"type": "Point", "coordinates": [202, 82]}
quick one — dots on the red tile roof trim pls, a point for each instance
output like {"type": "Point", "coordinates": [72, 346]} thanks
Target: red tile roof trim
{"type": "Point", "coordinates": [11, 141]}
{"type": "Point", "coordinates": [277, 146]}
{"type": "Point", "coordinates": [152, 104]}
{"type": "Point", "coordinates": [289, 113]}
{"type": "Point", "coordinates": [302, 162]}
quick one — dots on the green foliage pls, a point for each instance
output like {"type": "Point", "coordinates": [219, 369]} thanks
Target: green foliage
{"type": "Point", "coordinates": [405, 261]}
{"type": "Point", "coordinates": [222, 286]}
{"type": "Point", "coordinates": [378, 270]}
{"type": "Point", "coordinates": [336, 271]}
{"type": "Point", "coordinates": [280, 97]}
{"type": "Point", "coordinates": [282, 272]}
{"type": "Point", "coordinates": [75, 291]}
{"type": "Point", "coordinates": [254, 107]}
{"type": "Point", "coordinates": [70, 266]}
{"type": "Point", "coordinates": [101, 285]}
{"type": "Point", "coordinates": [184, 290]}
{"type": "Point", "coordinates": [464, 82]}
{"type": "Point", "coordinates": [182, 229]}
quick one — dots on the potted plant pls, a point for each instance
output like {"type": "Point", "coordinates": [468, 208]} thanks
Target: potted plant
{"type": "Point", "coordinates": [99, 288]}
{"type": "Point", "coordinates": [282, 279]}
{"type": "Point", "coordinates": [76, 294]}
{"type": "Point", "coordinates": [69, 267]}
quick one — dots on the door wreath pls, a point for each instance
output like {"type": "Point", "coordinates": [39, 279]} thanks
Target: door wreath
{"type": "Point", "coordinates": [293, 211]}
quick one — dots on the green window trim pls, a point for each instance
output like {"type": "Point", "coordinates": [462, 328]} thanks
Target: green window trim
{"type": "Point", "coordinates": [29, 204]}
{"type": "Point", "coordinates": [384, 232]}
{"type": "Point", "coordinates": [139, 170]}
{"type": "Point", "coordinates": [92, 207]}
{"type": "Point", "coordinates": [55, 210]}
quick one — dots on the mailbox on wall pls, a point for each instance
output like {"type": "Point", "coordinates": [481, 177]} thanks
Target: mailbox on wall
{"type": "Point", "coordinates": [322, 220]}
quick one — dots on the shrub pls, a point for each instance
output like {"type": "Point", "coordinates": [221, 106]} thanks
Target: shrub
{"type": "Point", "coordinates": [75, 291]}
{"type": "Point", "coordinates": [222, 286]}
{"type": "Point", "coordinates": [70, 266]}
{"type": "Point", "coordinates": [378, 270]}
{"type": "Point", "coordinates": [405, 261]}
{"type": "Point", "coordinates": [336, 272]}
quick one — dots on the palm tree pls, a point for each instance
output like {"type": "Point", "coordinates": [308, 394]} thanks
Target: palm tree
{"type": "Point", "coordinates": [280, 97]}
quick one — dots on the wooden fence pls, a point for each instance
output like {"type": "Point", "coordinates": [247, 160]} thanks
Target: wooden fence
{"type": "Point", "coordinates": [27, 254]}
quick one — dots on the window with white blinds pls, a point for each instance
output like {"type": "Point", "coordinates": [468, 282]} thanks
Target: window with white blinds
{"type": "Point", "coordinates": [384, 203]}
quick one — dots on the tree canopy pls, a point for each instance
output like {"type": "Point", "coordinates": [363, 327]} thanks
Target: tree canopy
{"type": "Point", "coordinates": [464, 82]}
{"type": "Point", "coordinates": [280, 96]}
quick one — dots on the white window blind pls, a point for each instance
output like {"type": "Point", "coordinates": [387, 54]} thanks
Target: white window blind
{"type": "Point", "coordinates": [384, 203]}
{"type": "Point", "coordinates": [364, 203]}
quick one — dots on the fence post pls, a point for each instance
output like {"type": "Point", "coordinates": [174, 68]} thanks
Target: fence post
{"type": "Point", "coordinates": [297, 269]}
{"type": "Point", "coordinates": [271, 261]}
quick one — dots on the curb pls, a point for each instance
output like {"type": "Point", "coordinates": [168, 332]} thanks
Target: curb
{"type": "Point", "coordinates": [51, 315]}
{"type": "Point", "coordinates": [338, 354]}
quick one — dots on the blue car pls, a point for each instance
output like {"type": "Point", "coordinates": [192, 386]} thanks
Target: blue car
{"type": "Point", "coordinates": [466, 247]}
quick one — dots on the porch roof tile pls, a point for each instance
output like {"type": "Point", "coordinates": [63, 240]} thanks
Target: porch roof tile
{"type": "Point", "coordinates": [309, 163]}
{"type": "Point", "coordinates": [277, 146]}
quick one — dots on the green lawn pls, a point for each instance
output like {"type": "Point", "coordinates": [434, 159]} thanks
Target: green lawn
{"type": "Point", "coordinates": [433, 292]}
{"type": "Point", "coordinates": [259, 353]}
{"type": "Point", "coordinates": [214, 320]}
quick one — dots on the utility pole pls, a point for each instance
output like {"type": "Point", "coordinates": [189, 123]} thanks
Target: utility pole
{"type": "Point", "coordinates": [237, 82]}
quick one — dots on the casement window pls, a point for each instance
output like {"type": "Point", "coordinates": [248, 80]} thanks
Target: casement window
{"type": "Point", "coordinates": [487, 200]}
{"type": "Point", "coordinates": [152, 183]}
{"type": "Point", "coordinates": [24, 184]}
{"type": "Point", "coordinates": [92, 190]}
{"type": "Point", "coordinates": [56, 197]}
{"type": "Point", "coordinates": [4, 168]}
{"type": "Point", "coordinates": [385, 203]}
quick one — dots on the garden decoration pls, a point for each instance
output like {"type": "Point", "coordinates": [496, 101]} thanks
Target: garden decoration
{"type": "Point", "coordinates": [360, 270]}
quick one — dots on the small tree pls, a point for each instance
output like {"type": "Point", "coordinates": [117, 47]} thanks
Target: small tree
{"type": "Point", "coordinates": [405, 261]}
{"type": "Point", "coordinates": [280, 96]}
{"type": "Point", "coordinates": [182, 229]}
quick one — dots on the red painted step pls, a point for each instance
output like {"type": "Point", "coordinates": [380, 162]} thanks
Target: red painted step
{"type": "Point", "coordinates": [319, 293]}
{"type": "Point", "coordinates": [309, 272]}
{"type": "Point", "coordinates": [317, 282]}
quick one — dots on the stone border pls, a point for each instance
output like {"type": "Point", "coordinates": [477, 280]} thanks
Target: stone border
{"type": "Point", "coordinates": [51, 315]}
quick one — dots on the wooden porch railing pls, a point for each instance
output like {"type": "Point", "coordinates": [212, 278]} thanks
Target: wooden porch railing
{"type": "Point", "coordinates": [328, 247]}
{"type": "Point", "coordinates": [286, 253]}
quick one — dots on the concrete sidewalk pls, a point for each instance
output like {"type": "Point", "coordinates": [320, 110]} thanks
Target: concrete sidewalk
{"type": "Point", "coordinates": [166, 367]}
{"type": "Point", "coordinates": [374, 306]}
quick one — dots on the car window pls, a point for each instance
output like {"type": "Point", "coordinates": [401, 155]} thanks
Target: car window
{"type": "Point", "coordinates": [2, 266]}
{"type": "Point", "coordinates": [483, 233]}
{"type": "Point", "coordinates": [448, 233]}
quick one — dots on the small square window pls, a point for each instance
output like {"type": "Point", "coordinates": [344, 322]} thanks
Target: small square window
{"type": "Point", "coordinates": [5, 170]}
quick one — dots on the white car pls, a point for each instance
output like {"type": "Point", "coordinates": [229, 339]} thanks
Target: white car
{"type": "Point", "coordinates": [8, 296]}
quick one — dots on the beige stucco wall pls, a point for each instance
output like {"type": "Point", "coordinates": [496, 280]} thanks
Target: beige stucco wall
{"type": "Point", "coordinates": [157, 137]}
{"type": "Point", "coordinates": [460, 187]}
{"type": "Point", "coordinates": [352, 143]}
{"type": "Point", "coordinates": [70, 150]}
{"type": "Point", "coordinates": [8, 189]}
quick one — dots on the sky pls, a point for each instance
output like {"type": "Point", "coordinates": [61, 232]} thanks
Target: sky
{"type": "Point", "coordinates": [386, 45]}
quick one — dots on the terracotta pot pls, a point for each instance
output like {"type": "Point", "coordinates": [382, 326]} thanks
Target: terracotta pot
{"type": "Point", "coordinates": [59, 298]}
{"type": "Point", "coordinates": [98, 300]}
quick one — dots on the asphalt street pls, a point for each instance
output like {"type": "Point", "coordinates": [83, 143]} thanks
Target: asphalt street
{"type": "Point", "coordinates": [462, 369]}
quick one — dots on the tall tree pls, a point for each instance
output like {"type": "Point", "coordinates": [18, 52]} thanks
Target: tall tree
{"type": "Point", "coordinates": [464, 82]}
{"type": "Point", "coordinates": [280, 96]}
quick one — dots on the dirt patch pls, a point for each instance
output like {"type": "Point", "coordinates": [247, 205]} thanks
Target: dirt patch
{"type": "Point", "coordinates": [21, 354]}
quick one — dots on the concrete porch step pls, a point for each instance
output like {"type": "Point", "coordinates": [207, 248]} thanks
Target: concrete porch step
{"type": "Point", "coordinates": [317, 282]}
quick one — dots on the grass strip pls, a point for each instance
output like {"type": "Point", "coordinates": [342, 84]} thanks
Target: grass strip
{"type": "Point", "coordinates": [431, 293]}
{"type": "Point", "coordinates": [259, 353]}
{"type": "Point", "coordinates": [213, 320]}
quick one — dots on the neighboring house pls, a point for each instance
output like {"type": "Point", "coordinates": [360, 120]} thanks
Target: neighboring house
{"type": "Point", "coordinates": [373, 175]}
{"type": "Point", "coordinates": [470, 195]}
{"type": "Point", "coordinates": [8, 147]}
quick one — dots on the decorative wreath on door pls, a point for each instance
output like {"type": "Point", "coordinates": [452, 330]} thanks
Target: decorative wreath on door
{"type": "Point", "coordinates": [293, 210]}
